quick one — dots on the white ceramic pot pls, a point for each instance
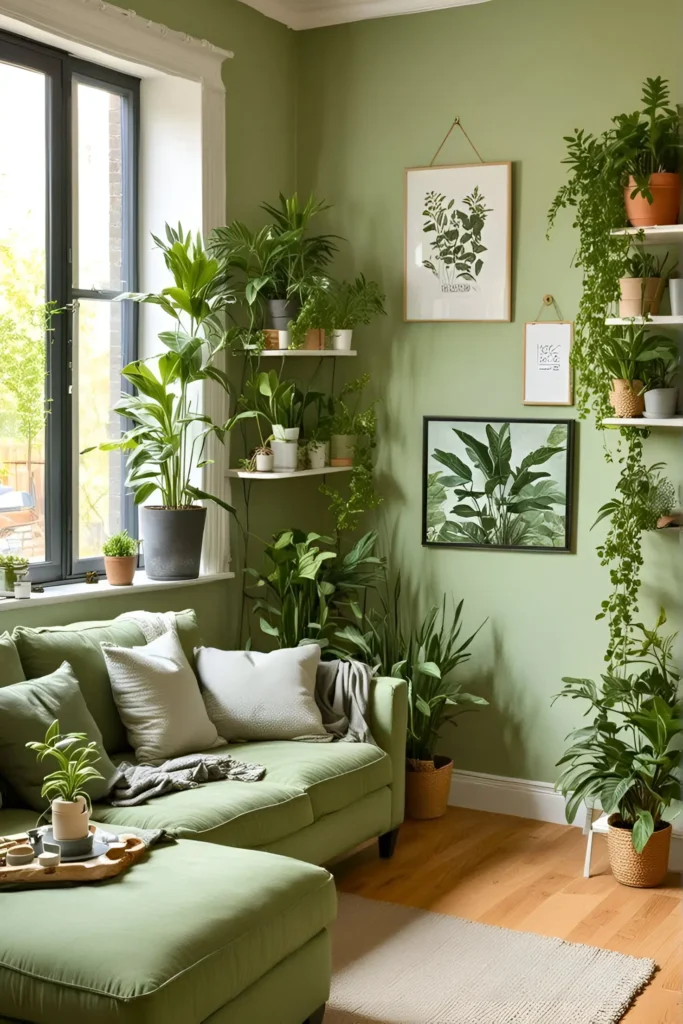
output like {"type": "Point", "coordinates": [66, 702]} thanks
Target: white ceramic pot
{"type": "Point", "coordinates": [676, 295]}
{"type": "Point", "coordinates": [22, 589]}
{"type": "Point", "coordinates": [341, 340]}
{"type": "Point", "coordinates": [283, 339]}
{"type": "Point", "coordinates": [264, 462]}
{"type": "Point", "coordinates": [342, 446]}
{"type": "Point", "coordinates": [285, 455]}
{"type": "Point", "coordinates": [281, 433]}
{"type": "Point", "coordinates": [660, 403]}
{"type": "Point", "coordinates": [70, 818]}
{"type": "Point", "coordinates": [317, 455]}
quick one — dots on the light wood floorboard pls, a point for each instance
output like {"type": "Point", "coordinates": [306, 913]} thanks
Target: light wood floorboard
{"type": "Point", "coordinates": [527, 875]}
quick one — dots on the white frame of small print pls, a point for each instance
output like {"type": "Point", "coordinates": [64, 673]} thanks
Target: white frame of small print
{"type": "Point", "coordinates": [548, 377]}
{"type": "Point", "coordinates": [466, 277]}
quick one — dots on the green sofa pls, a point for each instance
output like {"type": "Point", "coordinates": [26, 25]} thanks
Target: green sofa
{"type": "Point", "coordinates": [213, 929]}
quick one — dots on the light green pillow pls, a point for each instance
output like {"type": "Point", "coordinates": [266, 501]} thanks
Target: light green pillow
{"type": "Point", "coordinates": [10, 662]}
{"type": "Point", "coordinates": [43, 650]}
{"type": "Point", "coordinates": [26, 711]}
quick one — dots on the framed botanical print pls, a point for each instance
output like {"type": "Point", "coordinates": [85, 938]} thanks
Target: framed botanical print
{"type": "Point", "coordinates": [458, 243]}
{"type": "Point", "coordinates": [547, 367]}
{"type": "Point", "coordinates": [498, 484]}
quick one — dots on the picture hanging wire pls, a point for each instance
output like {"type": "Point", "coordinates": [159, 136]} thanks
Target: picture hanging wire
{"type": "Point", "coordinates": [456, 124]}
{"type": "Point", "coordinates": [548, 300]}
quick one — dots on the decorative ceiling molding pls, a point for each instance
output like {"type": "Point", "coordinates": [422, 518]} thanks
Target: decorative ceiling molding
{"type": "Point", "coordinates": [304, 14]}
{"type": "Point", "coordinates": [112, 29]}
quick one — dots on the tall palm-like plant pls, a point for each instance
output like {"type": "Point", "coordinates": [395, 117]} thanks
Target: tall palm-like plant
{"type": "Point", "coordinates": [166, 443]}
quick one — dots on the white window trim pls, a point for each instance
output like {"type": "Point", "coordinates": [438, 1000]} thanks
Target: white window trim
{"type": "Point", "coordinates": [123, 35]}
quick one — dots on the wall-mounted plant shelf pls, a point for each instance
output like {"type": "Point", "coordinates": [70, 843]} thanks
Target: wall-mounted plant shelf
{"type": "Point", "coordinates": [313, 353]}
{"type": "Point", "coordinates": [675, 422]}
{"type": "Point", "coordinates": [666, 234]}
{"type": "Point", "coordinates": [244, 474]}
{"type": "Point", "coordinates": [653, 321]}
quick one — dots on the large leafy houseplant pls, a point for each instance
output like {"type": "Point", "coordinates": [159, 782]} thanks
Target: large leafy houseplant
{"type": "Point", "coordinates": [628, 350]}
{"type": "Point", "coordinates": [647, 141]}
{"type": "Point", "coordinates": [628, 757]}
{"type": "Point", "coordinates": [498, 504]}
{"type": "Point", "coordinates": [310, 588]}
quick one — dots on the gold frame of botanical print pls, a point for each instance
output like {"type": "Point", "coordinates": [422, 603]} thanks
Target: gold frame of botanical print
{"type": "Point", "coordinates": [508, 245]}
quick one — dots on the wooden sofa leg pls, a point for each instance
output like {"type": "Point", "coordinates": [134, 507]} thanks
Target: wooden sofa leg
{"type": "Point", "coordinates": [317, 1017]}
{"type": "Point", "coordinates": [387, 844]}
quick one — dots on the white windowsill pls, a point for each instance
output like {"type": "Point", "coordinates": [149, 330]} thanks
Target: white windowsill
{"type": "Point", "coordinates": [76, 591]}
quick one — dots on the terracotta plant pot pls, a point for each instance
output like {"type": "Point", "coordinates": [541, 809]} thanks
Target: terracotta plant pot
{"type": "Point", "coordinates": [640, 870]}
{"type": "Point", "coordinates": [427, 786]}
{"type": "Point", "coordinates": [626, 398]}
{"type": "Point", "coordinates": [341, 449]}
{"type": "Point", "coordinates": [640, 296]}
{"type": "Point", "coordinates": [315, 339]}
{"type": "Point", "coordinates": [666, 201]}
{"type": "Point", "coordinates": [120, 570]}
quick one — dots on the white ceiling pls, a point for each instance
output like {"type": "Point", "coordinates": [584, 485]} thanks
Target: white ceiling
{"type": "Point", "coordinates": [302, 14]}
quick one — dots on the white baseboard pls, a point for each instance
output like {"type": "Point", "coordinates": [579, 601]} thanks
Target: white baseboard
{"type": "Point", "coordinates": [524, 798]}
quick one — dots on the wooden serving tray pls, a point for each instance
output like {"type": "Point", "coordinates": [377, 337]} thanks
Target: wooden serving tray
{"type": "Point", "coordinates": [118, 858]}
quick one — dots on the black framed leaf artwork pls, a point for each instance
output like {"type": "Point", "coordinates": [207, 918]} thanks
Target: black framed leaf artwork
{"type": "Point", "coordinates": [498, 483]}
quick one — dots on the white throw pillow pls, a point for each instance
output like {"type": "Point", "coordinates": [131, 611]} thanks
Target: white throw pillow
{"type": "Point", "coordinates": [158, 699]}
{"type": "Point", "coordinates": [255, 696]}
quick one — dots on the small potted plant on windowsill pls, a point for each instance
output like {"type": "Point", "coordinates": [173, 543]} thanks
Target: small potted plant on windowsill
{"type": "Point", "coordinates": [642, 289]}
{"type": "Point", "coordinates": [626, 353]}
{"type": "Point", "coordinates": [15, 569]}
{"type": "Point", "coordinates": [120, 559]}
{"type": "Point", "coordinates": [628, 758]}
{"type": "Point", "coordinates": [65, 787]}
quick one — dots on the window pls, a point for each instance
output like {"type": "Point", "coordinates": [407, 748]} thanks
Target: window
{"type": "Point", "coordinates": [68, 184]}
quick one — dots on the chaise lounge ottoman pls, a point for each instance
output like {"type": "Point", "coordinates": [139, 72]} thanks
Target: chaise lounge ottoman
{"type": "Point", "coordinates": [192, 934]}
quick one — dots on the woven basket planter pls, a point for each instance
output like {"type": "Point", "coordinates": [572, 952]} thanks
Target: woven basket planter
{"type": "Point", "coordinates": [626, 399]}
{"type": "Point", "coordinates": [640, 870]}
{"type": "Point", "coordinates": [427, 786]}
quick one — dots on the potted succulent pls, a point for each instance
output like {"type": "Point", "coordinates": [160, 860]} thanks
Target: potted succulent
{"type": "Point", "coordinates": [645, 147]}
{"type": "Point", "coordinates": [351, 304]}
{"type": "Point", "coordinates": [120, 559]}
{"type": "Point", "coordinates": [641, 291]}
{"type": "Point", "coordinates": [15, 569]}
{"type": "Point", "coordinates": [661, 392]}
{"type": "Point", "coordinates": [66, 787]}
{"type": "Point", "coordinates": [625, 354]}
{"type": "Point", "coordinates": [628, 757]}
{"type": "Point", "coordinates": [277, 265]}
{"type": "Point", "coordinates": [165, 446]}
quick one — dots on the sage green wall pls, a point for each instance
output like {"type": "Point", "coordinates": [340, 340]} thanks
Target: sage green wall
{"type": "Point", "coordinates": [376, 97]}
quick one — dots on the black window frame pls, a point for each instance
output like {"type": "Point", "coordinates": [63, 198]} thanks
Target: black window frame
{"type": "Point", "coordinates": [62, 71]}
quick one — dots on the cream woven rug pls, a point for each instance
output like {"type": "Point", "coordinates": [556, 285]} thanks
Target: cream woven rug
{"type": "Point", "coordinates": [395, 965]}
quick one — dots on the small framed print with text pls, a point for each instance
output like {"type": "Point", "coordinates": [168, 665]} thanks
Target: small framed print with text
{"type": "Point", "coordinates": [548, 378]}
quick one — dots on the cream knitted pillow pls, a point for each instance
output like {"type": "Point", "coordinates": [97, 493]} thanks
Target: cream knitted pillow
{"type": "Point", "coordinates": [255, 696]}
{"type": "Point", "coordinates": [158, 699]}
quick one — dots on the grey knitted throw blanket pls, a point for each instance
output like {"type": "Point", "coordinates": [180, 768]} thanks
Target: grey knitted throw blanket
{"type": "Point", "coordinates": [137, 783]}
{"type": "Point", "coordinates": [342, 693]}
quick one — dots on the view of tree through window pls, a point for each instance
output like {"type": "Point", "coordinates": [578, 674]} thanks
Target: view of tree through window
{"type": "Point", "coordinates": [23, 314]}
{"type": "Point", "coordinates": [67, 251]}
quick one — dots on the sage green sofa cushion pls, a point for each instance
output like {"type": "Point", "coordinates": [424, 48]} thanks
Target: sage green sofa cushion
{"type": "Point", "coordinates": [11, 670]}
{"type": "Point", "coordinates": [27, 710]}
{"type": "Point", "coordinates": [244, 814]}
{"type": "Point", "coordinates": [43, 650]}
{"type": "Point", "coordinates": [333, 775]}
{"type": "Point", "coordinates": [170, 941]}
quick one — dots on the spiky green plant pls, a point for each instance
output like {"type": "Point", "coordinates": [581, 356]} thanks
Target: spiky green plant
{"type": "Point", "coordinates": [75, 764]}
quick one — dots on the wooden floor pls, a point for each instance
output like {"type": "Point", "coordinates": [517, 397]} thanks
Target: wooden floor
{"type": "Point", "coordinates": [527, 875]}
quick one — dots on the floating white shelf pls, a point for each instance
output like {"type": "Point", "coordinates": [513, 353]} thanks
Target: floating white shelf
{"type": "Point", "coordinates": [654, 321]}
{"type": "Point", "coordinates": [645, 424]}
{"type": "Point", "coordinates": [313, 353]}
{"type": "Point", "coordinates": [244, 474]}
{"type": "Point", "coordinates": [665, 234]}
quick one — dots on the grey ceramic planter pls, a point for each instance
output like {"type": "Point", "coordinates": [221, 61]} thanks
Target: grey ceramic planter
{"type": "Point", "coordinates": [172, 541]}
{"type": "Point", "coordinates": [660, 403]}
{"type": "Point", "coordinates": [281, 311]}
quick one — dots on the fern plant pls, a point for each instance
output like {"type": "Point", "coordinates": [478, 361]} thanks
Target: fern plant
{"type": "Point", "coordinates": [75, 764]}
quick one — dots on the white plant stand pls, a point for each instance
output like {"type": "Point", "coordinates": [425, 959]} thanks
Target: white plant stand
{"type": "Point", "coordinates": [591, 828]}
